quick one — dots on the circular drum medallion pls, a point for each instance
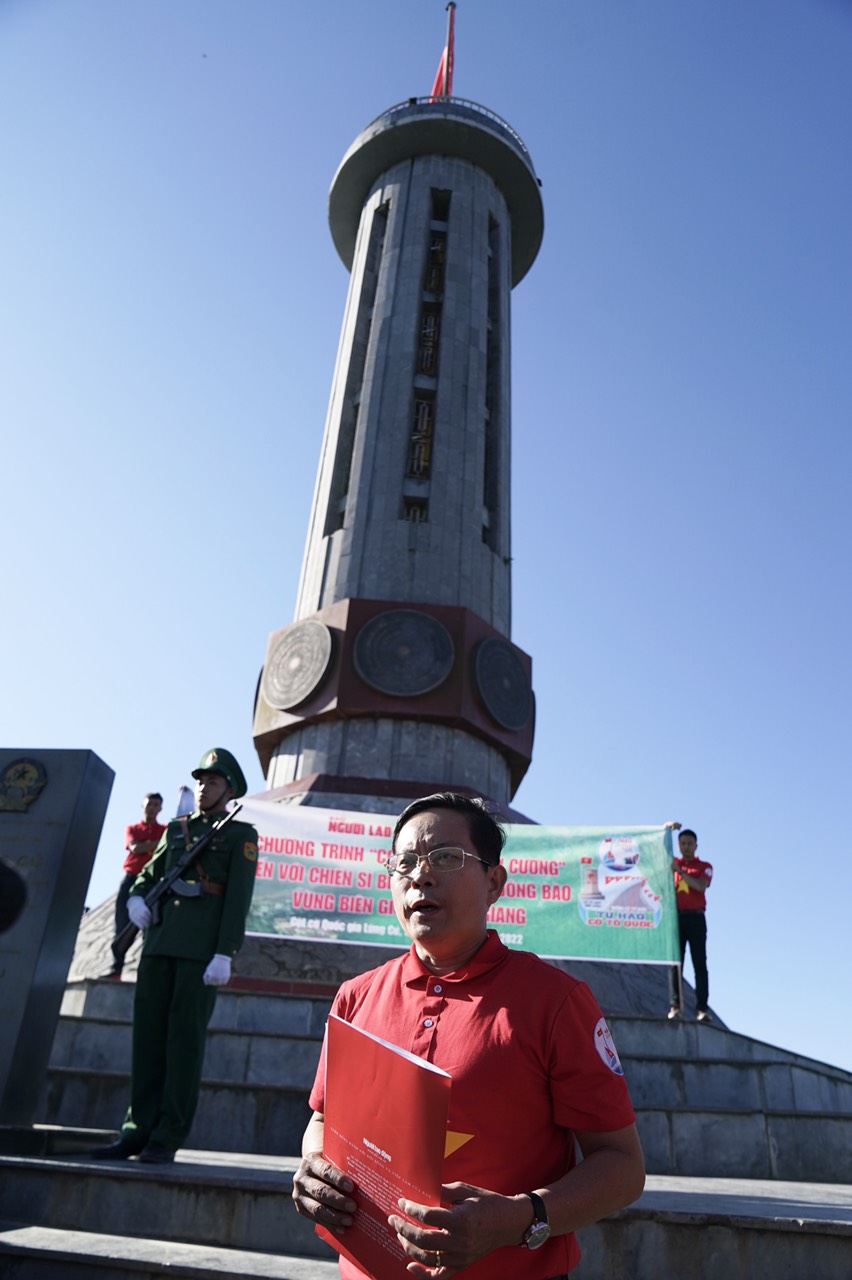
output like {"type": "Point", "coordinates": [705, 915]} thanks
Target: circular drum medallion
{"type": "Point", "coordinates": [298, 664]}
{"type": "Point", "coordinates": [403, 653]}
{"type": "Point", "coordinates": [502, 683]}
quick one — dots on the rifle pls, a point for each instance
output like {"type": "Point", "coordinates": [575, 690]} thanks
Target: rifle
{"type": "Point", "coordinates": [166, 886]}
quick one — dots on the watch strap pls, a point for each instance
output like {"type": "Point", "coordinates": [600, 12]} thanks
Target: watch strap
{"type": "Point", "coordinates": [539, 1210]}
{"type": "Point", "coordinates": [539, 1229]}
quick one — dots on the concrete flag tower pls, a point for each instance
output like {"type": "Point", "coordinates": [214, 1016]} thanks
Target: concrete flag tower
{"type": "Point", "coordinates": [398, 676]}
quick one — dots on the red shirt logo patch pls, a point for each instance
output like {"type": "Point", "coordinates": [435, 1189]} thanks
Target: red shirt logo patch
{"type": "Point", "coordinates": [606, 1048]}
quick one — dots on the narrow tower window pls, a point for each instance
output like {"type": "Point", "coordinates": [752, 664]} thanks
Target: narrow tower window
{"type": "Point", "coordinates": [336, 508]}
{"type": "Point", "coordinates": [420, 449]}
{"type": "Point", "coordinates": [440, 205]}
{"type": "Point", "coordinates": [415, 510]}
{"type": "Point", "coordinates": [493, 377]}
{"type": "Point", "coordinates": [427, 354]}
{"type": "Point", "coordinates": [435, 262]}
{"type": "Point", "coordinates": [418, 465]}
{"type": "Point", "coordinates": [418, 462]}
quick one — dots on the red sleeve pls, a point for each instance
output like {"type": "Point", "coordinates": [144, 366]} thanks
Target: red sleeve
{"type": "Point", "coordinates": [130, 837]}
{"type": "Point", "coordinates": [317, 1098]}
{"type": "Point", "coordinates": [587, 1078]}
{"type": "Point", "coordinates": [343, 1006]}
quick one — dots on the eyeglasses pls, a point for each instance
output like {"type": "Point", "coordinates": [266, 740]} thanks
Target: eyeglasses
{"type": "Point", "coordinates": [440, 860]}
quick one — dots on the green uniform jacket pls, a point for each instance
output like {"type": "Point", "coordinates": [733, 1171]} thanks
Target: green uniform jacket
{"type": "Point", "coordinates": [199, 928]}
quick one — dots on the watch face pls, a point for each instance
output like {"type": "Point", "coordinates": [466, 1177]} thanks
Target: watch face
{"type": "Point", "coordinates": [536, 1235]}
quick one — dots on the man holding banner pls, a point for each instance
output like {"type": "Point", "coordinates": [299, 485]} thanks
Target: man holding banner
{"type": "Point", "coordinates": [692, 878]}
{"type": "Point", "coordinates": [501, 1023]}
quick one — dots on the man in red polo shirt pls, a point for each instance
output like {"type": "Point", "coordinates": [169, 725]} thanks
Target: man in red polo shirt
{"type": "Point", "coordinates": [140, 841]}
{"type": "Point", "coordinates": [692, 880]}
{"type": "Point", "coordinates": [532, 1063]}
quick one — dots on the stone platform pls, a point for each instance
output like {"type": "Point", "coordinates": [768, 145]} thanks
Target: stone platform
{"type": "Point", "coordinates": [216, 1214]}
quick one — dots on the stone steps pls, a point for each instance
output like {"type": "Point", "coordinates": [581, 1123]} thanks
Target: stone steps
{"type": "Point", "coordinates": [230, 1116]}
{"type": "Point", "coordinates": [722, 1229]}
{"type": "Point", "coordinates": [45, 1253]}
{"type": "Point", "coordinates": [240, 1057]}
{"type": "Point", "coordinates": [708, 1101]}
{"type": "Point", "coordinates": [217, 1215]}
{"type": "Point", "coordinates": [235, 1010]}
{"type": "Point", "coordinates": [205, 1198]}
{"type": "Point", "coordinates": [756, 1144]}
{"type": "Point", "coordinates": [682, 1139]}
{"type": "Point", "coordinates": [694, 1042]}
{"type": "Point", "coordinates": [259, 1064]}
{"type": "Point", "coordinates": [288, 1061]}
{"type": "Point", "coordinates": [725, 1085]}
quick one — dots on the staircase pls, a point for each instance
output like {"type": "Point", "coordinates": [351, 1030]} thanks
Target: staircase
{"type": "Point", "coordinates": [709, 1102]}
{"type": "Point", "coordinates": [732, 1129]}
{"type": "Point", "coordinates": [259, 1065]}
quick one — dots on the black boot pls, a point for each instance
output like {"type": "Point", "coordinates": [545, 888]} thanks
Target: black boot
{"type": "Point", "coordinates": [123, 1149]}
{"type": "Point", "coordinates": [156, 1153]}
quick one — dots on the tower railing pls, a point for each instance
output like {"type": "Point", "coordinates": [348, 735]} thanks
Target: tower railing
{"type": "Point", "coordinates": [460, 106]}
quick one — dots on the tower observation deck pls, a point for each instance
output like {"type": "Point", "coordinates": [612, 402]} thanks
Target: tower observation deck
{"type": "Point", "coordinates": [398, 676]}
{"type": "Point", "coordinates": [447, 127]}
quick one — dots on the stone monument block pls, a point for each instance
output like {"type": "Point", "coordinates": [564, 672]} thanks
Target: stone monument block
{"type": "Point", "coordinates": [52, 808]}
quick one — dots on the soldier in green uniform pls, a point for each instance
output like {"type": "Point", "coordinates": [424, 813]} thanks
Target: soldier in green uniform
{"type": "Point", "coordinates": [185, 958]}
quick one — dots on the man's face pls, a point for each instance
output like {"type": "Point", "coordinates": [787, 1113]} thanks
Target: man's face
{"type": "Point", "coordinates": [212, 791]}
{"type": "Point", "coordinates": [444, 912]}
{"type": "Point", "coordinates": [151, 808]}
{"type": "Point", "coordinates": [687, 845]}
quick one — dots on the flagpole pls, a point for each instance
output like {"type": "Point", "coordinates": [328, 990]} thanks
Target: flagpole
{"type": "Point", "coordinates": [443, 86]}
{"type": "Point", "coordinates": [448, 70]}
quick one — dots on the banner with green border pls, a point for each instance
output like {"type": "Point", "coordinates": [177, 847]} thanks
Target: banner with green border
{"type": "Point", "coordinates": [590, 893]}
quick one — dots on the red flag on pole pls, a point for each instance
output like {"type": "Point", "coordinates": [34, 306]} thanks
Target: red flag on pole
{"type": "Point", "coordinates": [443, 86]}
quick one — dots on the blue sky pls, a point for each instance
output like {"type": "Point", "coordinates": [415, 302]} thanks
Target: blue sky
{"type": "Point", "coordinates": [682, 390]}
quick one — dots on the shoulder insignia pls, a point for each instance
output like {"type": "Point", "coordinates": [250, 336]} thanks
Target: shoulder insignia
{"type": "Point", "coordinates": [250, 851]}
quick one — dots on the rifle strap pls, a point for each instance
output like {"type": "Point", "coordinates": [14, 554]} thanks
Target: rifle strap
{"type": "Point", "coordinates": [184, 826]}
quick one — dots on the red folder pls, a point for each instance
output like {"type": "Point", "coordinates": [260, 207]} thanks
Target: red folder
{"type": "Point", "coordinates": [385, 1127]}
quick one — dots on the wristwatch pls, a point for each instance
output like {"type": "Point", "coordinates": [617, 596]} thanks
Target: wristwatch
{"type": "Point", "coordinates": [539, 1229]}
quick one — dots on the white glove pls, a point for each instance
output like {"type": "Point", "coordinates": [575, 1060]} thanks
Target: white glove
{"type": "Point", "coordinates": [218, 971]}
{"type": "Point", "coordinates": [139, 911]}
